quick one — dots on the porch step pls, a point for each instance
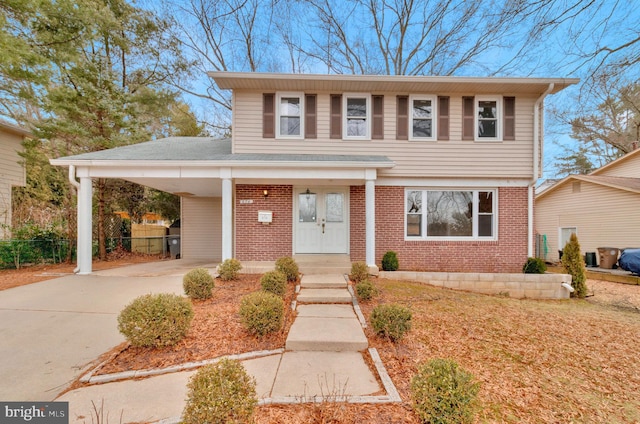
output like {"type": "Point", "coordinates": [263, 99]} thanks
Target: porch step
{"type": "Point", "coordinates": [326, 328]}
{"type": "Point", "coordinates": [324, 296]}
{"type": "Point", "coordinates": [323, 281]}
{"type": "Point", "coordinates": [323, 264]}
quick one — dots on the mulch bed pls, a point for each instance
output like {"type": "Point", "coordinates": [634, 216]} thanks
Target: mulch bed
{"type": "Point", "coordinates": [216, 330]}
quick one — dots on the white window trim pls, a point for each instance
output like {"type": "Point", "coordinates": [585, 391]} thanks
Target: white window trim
{"type": "Point", "coordinates": [499, 117]}
{"type": "Point", "coordinates": [434, 117]}
{"type": "Point", "coordinates": [474, 237]}
{"type": "Point", "coordinates": [368, 116]}
{"type": "Point", "coordinates": [565, 227]}
{"type": "Point", "coordinates": [279, 97]}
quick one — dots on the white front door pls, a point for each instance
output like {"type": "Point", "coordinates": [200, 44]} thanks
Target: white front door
{"type": "Point", "coordinates": [321, 220]}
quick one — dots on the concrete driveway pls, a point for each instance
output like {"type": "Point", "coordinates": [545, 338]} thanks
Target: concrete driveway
{"type": "Point", "coordinates": [51, 331]}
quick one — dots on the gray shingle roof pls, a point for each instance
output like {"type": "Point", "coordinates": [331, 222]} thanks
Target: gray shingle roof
{"type": "Point", "coordinates": [206, 149]}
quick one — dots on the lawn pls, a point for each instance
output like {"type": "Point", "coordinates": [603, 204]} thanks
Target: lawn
{"type": "Point", "coordinates": [536, 361]}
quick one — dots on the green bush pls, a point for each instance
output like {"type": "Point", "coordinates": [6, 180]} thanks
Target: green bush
{"type": "Point", "coordinates": [444, 393]}
{"type": "Point", "coordinates": [220, 393]}
{"type": "Point", "coordinates": [365, 290]}
{"type": "Point", "coordinates": [229, 269]}
{"type": "Point", "coordinates": [262, 312]}
{"type": "Point", "coordinates": [198, 283]}
{"type": "Point", "coordinates": [359, 272]}
{"type": "Point", "coordinates": [156, 320]}
{"type": "Point", "coordinates": [573, 264]}
{"type": "Point", "coordinates": [390, 261]}
{"type": "Point", "coordinates": [534, 266]}
{"type": "Point", "coordinates": [288, 266]}
{"type": "Point", "coordinates": [391, 321]}
{"type": "Point", "coordinates": [274, 282]}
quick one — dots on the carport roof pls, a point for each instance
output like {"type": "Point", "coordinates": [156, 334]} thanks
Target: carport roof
{"type": "Point", "coordinates": [209, 149]}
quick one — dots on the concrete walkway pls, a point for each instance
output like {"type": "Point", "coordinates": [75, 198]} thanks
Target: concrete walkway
{"type": "Point", "coordinates": [323, 360]}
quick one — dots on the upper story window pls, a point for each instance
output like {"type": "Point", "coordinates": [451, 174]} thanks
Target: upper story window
{"type": "Point", "coordinates": [488, 118]}
{"type": "Point", "coordinates": [488, 123]}
{"type": "Point", "coordinates": [422, 118]}
{"type": "Point", "coordinates": [290, 122]}
{"type": "Point", "coordinates": [357, 116]}
{"type": "Point", "coordinates": [450, 214]}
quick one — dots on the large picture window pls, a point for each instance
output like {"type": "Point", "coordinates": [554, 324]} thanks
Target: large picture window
{"type": "Point", "coordinates": [450, 214]}
{"type": "Point", "coordinates": [290, 122]}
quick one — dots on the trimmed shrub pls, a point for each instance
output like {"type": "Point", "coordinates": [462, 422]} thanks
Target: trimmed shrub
{"type": "Point", "coordinates": [274, 282]}
{"type": "Point", "coordinates": [390, 261]}
{"type": "Point", "coordinates": [359, 272]}
{"type": "Point", "coordinates": [573, 264]}
{"type": "Point", "coordinates": [198, 283]}
{"type": "Point", "coordinates": [229, 269]}
{"type": "Point", "coordinates": [534, 266]}
{"type": "Point", "coordinates": [288, 266]}
{"type": "Point", "coordinates": [262, 312]}
{"type": "Point", "coordinates": [391, 321]}
{"type": "Point", "coordinates": [156, 320]}
{"type": "Point", "coordinates": [444, 393]}
{"type": "Point", "coordinates": [220, 393]}
{"type": "Point", "coordinates": [365, 290]}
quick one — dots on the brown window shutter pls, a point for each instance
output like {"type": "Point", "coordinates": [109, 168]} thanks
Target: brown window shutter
{"type": "Point", "coordinates": [443, 118]}
{"type": "Point", "coordinates": [509, 118]}
{"type": "Point", "coordinates": [268, 115]}
{"type": "Point", "coordinates": [335, 123]}
{"type": "Point", "coordinates": [402, 118]}
{"type": "Point", "coordinates": [310, 116]}
{"type": "Point", "coordinates": [378, 117]}
{"type": "Point", "coordinates": [468, 118]}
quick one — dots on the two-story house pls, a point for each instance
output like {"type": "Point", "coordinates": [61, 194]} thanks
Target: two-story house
{"type": "Point", "coordinates": [438, 169]}
{"type": "Point", "coordinates": [12, 172]}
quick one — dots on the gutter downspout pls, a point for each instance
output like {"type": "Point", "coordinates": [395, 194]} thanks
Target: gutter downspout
{"type": "Point", "coordinates": [76, 184]}
{"type": "Point", "coordinates": [537, 145]}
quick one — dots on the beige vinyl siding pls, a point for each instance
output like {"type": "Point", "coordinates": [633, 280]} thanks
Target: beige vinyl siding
{"type": "Point", "coordinates": [629, 168]}
{"type": "Point", "coordinates": [10, 169]}
{"type": "Point", "coordinates": [450, 158]}
{"type": "Point", "coordinates": [11, 174]}
{"type": "Point", "coordinates": [201, 228]}
{"type": "Point", "coordinates": [604, 217]}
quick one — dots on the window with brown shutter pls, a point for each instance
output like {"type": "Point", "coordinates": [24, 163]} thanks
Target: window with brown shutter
{"type": "Point", "coordinates": [310, 118]}
{"type": "Point", "coordinates": [468, 118]}
{"type": "Point", "coordinates": [443, 118]}
{"type": "Point", "coordinates": [268, 115]}
{"type": "Point", "coordinates": [378, 117]}
{"type": "Point", "coordinates": [402, 117]}
{"type": "Point", "coordinates": [335, 121]}
{"type": "Point", "coordinates": [509, 118]}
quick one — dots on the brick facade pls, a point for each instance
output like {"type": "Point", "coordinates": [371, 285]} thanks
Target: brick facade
{"type": "Point", "coordinates": [507, 254]}
{"type": "Point", "coordinates": [261, 242]}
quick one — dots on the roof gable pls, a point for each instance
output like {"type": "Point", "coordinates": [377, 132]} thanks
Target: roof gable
{"type": "Point", "coordinates": [619, 183]}
{"type": "Point", "coordinates": [631, 159]}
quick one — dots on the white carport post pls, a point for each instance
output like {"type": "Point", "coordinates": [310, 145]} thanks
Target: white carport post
{"type": "Point", "coordinates": [227, 214]}
{"type": "Point", "coordinates": [85, 232]}
{"type": "Point", "coordinates": [370, 218]}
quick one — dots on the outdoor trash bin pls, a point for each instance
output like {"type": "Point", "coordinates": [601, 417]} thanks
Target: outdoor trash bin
{"type": "Point", "coordinates": [590, 259]}
{"type": "Point", "coordinates": [608, 257]}
{"type": "Point", "coordinates": [174, 247]}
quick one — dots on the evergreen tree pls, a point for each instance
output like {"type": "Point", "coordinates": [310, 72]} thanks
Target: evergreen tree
{"type": "Point", "coordinates": [573, 264]}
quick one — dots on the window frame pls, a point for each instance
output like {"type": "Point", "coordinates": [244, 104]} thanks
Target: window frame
{"type": "Point", "coordinates": [345, 117]}
{"type": "Point", "coordinates": [301, 98]}
{"type": "Point", "coordinates": [499, 118]}
{"type": "Point", "coordinates": [424, 236]}
{"type": "Point", "coordinates": [434, 117]}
